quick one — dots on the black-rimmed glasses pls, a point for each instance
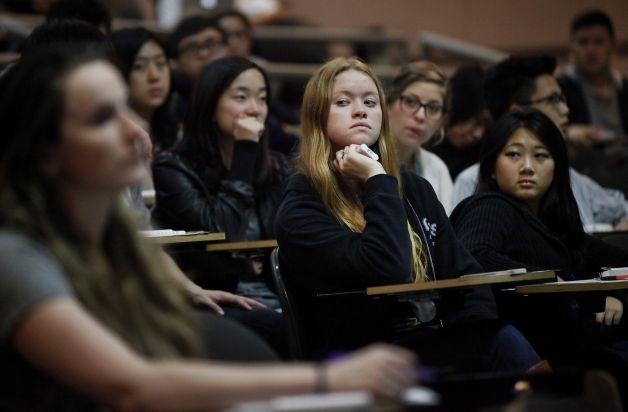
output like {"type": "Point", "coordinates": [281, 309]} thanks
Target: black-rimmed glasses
{"type": "Point", "coordinates": [195, 48]}
{"type": "Point", "coordinates": [411, 104]}
{"type": "Point", "coordinates": [554, 99]}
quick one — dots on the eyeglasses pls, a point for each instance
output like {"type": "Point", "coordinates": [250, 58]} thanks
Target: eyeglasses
{"type": "Point", "coordinates": [194, 48]}
{"type": "Point", "coordinates": [554, 99]}
{"type": "Point", "coordinates": [411, 104]}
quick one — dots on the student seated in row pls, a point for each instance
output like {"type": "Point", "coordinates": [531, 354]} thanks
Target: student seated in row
{"type": "Point", "coordinates": [89, 318]}
{"type": "Point", "coordinates": [348, 221]}
{"type": "Point", "coordinates": [417, 99]}
{"type": "Point", "coordinates": [525, 215]}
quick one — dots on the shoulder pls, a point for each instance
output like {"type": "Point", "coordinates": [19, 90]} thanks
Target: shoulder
{"type": "Point", "coordinates": [432, 160]}
{"type": "Point", "coordinates": [493, 204]}
{"type": "Point", "coordinates": [170, 159]}
{"type": "Point", "coordinates": [469, 174]}
{"type": "Point", "coordinates": [29, 275]}
{"type": "Point", "coordinates": [280, 163]}
{"type": "Point", "coordinates": [170, 164]}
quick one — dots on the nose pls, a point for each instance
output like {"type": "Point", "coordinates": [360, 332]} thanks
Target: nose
{"type": "Point", "coordinates": [527, 166]}
{"type": "Point", "coordinates": [152, 71]}
{"type": "Point", "coordinates": [359, 111]}
{"type": "Point", "coordinates": [563, 109]}
{"type": "Point", "coordinates": [253, 107]}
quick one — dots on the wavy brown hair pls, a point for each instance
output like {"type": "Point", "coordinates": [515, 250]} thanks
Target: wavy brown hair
{"type": "Point", "coordinates": [121, 285]}
{"type": "Point", "coordinates": [316, 155]}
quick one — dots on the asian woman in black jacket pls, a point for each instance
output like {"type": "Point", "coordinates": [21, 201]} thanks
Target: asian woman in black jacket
{"type": "Point", "coordinates": [221, 177]}
{"type": "Point", "coordinates": [348, 221]}
{"type": "Point", "coordinates": [525, 215]}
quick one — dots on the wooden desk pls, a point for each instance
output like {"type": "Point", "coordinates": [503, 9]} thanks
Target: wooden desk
{"type": "Point", "coordinates": [192, 238]}
{"type": "Point", "coordinates": [592, 285]}
{"type": "Point", "coordinates": [461, 282]}
{"type": "Point", "coordinates": [233, 246]}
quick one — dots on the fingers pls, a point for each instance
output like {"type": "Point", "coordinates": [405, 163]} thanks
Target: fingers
{"type": "Point", "coordinates": [248, 128]}
{"type": "Point", "coordinates": [204, 300]}
{"type": "Point", "coordinates": [609, 317]}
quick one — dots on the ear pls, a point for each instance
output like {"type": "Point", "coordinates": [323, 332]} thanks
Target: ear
{"type": "Point", "coordinates": [174, 64]}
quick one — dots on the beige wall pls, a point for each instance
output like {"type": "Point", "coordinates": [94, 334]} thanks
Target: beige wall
{"type": "Point", "coordinates": [505, 24]}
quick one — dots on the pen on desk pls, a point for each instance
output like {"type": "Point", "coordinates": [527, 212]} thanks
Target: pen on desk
{"type": "Point", "coordinates": [615, 277]}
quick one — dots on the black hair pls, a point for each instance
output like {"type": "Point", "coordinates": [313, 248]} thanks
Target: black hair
{"type": "Point", "coordinates": [558, 208]}
{"type": "Point", "coordinates": [90, 11]}
{"type": "Point", "coordinates": [127, 44]}
{"type": "Point", "coordinates": [189, 26]}
{"type": "Point", "coordinates": [200, 143]}
{"type": "Point", "coordinates": [513, 81]}
{"type": "Point", "coordinates": [234, 13]}
{"type": "Point", "coordinates": [590, 18]}
{"type": "Point", "coordinates": [466, 88]}
{"type": "Point", "coordinates": [76, 35]}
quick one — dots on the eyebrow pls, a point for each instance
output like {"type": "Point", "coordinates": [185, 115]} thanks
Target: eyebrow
{"type": "Point", "coordinates": [522, 145]}
{"type": "Point", "coordinates": [246, 89]}
{"type": "Point", "coordinates": [151, 56]}
{"type": "Point", "coordinates": [350, 93]}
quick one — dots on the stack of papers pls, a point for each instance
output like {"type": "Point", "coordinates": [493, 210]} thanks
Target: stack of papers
{"type": "Point", "coordinates": [167, 232]}
{"type": "Point", "coordinates": [615, 274]}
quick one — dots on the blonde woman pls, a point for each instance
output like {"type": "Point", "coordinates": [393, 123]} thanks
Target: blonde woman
{"type": "Point", "coordinates": [88, 318]}
{"type": "Point", "coordinates": [349, 221]}
{"type": "Point", "coordinates": [417, 107]}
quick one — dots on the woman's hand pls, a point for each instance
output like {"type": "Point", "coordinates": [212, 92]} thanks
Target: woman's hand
{"type": "Point", "coordinates": [382, 369]}
{"type": "Point", "coordinates": [214, 298]}
{"type": "Point", "coordinates": [248, 128]}
{"type": "Point", "coordinates": [352, 163]}
{"type": "Point", "coordinates": [612, 313]}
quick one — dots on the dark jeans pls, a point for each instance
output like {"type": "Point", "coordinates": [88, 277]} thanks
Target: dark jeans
{"type": "Point", "coordinates": [227, 340]}
{"type": "Point", "coordinates": [267, 324]}
{"type": "Point", "coordinates": [475, 346]}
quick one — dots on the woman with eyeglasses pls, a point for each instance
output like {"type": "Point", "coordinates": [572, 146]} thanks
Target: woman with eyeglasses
{"type": "Point", "coordinates": [524, 215]}
{"type": "Point", "coordinates": [417, 109]}
{"type": "Point", "coordinates": [349, 221]}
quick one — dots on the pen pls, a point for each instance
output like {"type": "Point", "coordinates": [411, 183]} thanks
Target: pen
{"type": "Point", "coordinates": [615, 277]}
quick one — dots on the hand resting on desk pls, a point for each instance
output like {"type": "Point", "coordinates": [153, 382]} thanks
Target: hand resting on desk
{"type": "Point", "coordinates": [612, 313]}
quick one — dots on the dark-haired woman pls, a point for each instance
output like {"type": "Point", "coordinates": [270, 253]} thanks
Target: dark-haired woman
{"type": "Point", "coordinates": [222, 178]}
{"type": "Point", "coordinates": [525, 215]}
{"type": "Point", "coordinates": [141, 56]}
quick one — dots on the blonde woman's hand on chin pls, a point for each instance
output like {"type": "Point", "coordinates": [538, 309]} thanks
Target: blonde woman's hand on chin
{"type": "Point", "coordinates": [248, 128]}
{"type": "Point", "coordinates": [384, 370]}
{"type": "Point", "coordinates": [352, 163]}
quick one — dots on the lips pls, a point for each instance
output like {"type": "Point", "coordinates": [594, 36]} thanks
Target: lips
{"type": "Point", "coordinates": [360, 124]}
{"type": "Point", "coordinates": [156, 92]}
{"type": "Point", "coordinates": [526, 183]}
{"type": "Point", "coordinates": [416, 131]}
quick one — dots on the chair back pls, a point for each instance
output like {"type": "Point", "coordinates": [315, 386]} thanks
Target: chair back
{"type": "Point", "coordinates": [288, 308]}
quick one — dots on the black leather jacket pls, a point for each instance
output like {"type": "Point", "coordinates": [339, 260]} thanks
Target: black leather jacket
{"type": "Point", "coordinates": [226, 201]}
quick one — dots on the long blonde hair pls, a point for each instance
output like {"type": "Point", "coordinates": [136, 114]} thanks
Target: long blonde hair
{"type": "Point", "coordinates": [316, 155]}
{"type": "Point", "coordinates": [126, 289]}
